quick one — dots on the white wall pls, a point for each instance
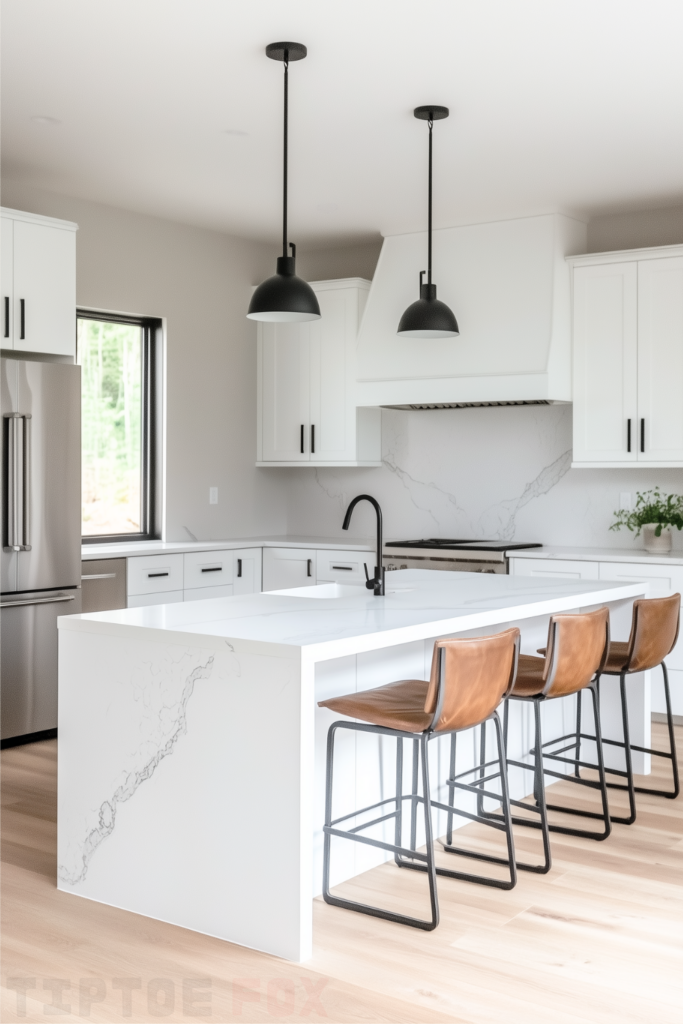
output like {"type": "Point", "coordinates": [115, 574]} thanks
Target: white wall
{"type": "Point", "coordinates": [480, 473]}
{"type": "Point", "coordinates": [200, 281]}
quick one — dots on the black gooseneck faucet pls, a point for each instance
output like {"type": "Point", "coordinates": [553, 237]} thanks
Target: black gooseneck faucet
{"type": "Point", "coordinates": [377, 583]}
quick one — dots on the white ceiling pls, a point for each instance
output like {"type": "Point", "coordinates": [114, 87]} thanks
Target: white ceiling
{"type": "Point", "coordinates": [556, 105]}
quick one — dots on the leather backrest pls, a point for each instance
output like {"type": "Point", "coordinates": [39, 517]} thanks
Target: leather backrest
{"type": "Point", "coordinates": [654, 631]}
{"type": "Point", "coordinates": [577, 649]}
{"type": "Point", "coordinates": [469, 678]}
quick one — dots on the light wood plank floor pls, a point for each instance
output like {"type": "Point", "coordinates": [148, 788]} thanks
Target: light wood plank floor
{"type": "Point", "coordinates": [598, 939]}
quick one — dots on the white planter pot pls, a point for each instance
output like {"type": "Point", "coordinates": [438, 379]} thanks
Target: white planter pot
{"type": "Point", "coordinates": [656, 545]}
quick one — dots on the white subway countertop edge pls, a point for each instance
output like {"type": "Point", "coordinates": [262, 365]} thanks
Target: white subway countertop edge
{"type": "Point", "coordinates": [419, 605]}
{"type": "Point", "coordinates": [131, 549]}
{"type": "Point", "coordinates": [601, 555]}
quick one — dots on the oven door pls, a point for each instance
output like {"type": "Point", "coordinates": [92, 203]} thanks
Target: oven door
{"type": "Point", "coordinates": [441, 563]}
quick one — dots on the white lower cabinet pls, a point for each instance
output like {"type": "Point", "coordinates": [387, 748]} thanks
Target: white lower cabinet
{"type": "Point", "coordinates": [154, 574]}
{"type": "Point", "coordinates": [345, 566]}
{"type": "Point", "coordinates": [284, 568]}
{"type": "Point", "coordinates": [247, 571]}
{"type": "Point", "coordinates": [663, 579]}
{"type": "Point", "coordinates": [145, 600]}
{"type": "Point", "coordinates": [554, 568]}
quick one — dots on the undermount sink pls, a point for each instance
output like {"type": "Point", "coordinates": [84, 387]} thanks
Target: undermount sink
{"type": "Point", "coordinates": [326, 590]}
{"type": "Point", "coordinates": [334, 590]}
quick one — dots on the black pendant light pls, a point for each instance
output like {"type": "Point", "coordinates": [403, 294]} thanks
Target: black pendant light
{"type": "Point", "coordinates": [284, 298]}
{"type": "Point", "coordinates": [429, 317]}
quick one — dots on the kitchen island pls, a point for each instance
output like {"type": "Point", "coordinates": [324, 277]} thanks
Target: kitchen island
{"type": "Point", "coordinates": [192, 750]}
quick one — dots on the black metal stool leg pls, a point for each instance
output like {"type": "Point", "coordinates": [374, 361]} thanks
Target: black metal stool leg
{"type": "Point", "coordinates": [451, 791]}
{"type": "Point", "coordinates": [671, 794]}
{"type": "Point", "coordinates": [540, 791]}
{"type": "Point", "coordinates": [577, 770]}
{"type": "Point", "coordinates": [427, 860]}
{"type": "Point", "coordinates": [399, 798]}
{"type": "Point", "coordinates": [413, 802]}
{"type": "Point", "coordinates": [626, 746]}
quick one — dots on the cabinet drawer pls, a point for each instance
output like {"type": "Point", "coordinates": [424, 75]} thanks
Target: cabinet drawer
{"type": "Point", "coordinates": [344, 566]}
{"type": "Point", "coordinates": [557, 568]}
{"type": "Point", "coordinates": [144, 600]}
{"type": "Point", "coordinates": [155, 574]}
{"type": "Point", "coordinates": [208, 569]}
{"type": "Point", "coordinates": [208, 593]}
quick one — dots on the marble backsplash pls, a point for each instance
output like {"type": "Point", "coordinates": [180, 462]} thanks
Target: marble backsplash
{"type": "Point", "coordinates": [502, 472]}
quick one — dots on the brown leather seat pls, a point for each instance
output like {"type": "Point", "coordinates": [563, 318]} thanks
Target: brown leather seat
{"type": "Point", "coordinates": [577, 648]}
{"type": "Point", "coordinates": [654, 632]}
{"type": "Point", "coordinates": [477, 675]}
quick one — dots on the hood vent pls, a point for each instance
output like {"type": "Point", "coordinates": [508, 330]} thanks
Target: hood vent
{"type": "Point", "coordinates": [469, 405]}
{"type": "Point", "coordinates": [510, 284]}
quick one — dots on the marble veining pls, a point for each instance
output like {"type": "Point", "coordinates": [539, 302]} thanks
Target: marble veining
{"type": "Point", "coordinates": [81, 853]}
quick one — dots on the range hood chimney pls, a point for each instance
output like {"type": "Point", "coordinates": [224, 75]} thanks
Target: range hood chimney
{"type": "Point", "coordinates": [510, 283]}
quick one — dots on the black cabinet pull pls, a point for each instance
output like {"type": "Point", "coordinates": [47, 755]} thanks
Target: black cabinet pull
{"type": "Point", "coordinates": [312, 438]}
{"type": "Point", "coordinates": [239, 568]}
{"type": "Point", "coordinates": [628, 435]}
{"type": "Point", "coordinates": [7, 316]}
{"type": "Point", "coordinates": [309, 566]}
{"type": "Point", "coordinates": [302, 438]}
{"type": "Point", "coordinates": [22, 319]}
{"type": "Point", "coordinates": [342, 568]}
{"type": "Point", "coordinates": [152, 575]}
{"type": "Point", "coordinates": [642, 435]}
{"type": "Point", "coordinates": [213, 568]}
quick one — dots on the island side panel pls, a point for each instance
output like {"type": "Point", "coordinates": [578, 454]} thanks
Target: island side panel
{"type": "Point", "coordinates": [183, 789]}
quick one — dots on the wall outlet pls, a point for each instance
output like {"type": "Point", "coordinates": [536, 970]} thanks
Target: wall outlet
{"type": "Point", "coordinates": [213, 495]}
{"type": "Point", "coordinates": [625, 500]}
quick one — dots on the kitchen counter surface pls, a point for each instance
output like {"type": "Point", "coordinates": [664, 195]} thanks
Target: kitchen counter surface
{"type": "Point", "coordinates": [128, 549]}
{"type": "Point", "coordinates": [191, 733]}
{"type": "Point", "coordinates": [601, 555]}
{"type": "Point", "coordinates": [418, 604]}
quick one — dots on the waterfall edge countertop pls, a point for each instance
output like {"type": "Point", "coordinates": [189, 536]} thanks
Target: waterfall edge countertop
{"type": "Point", "coordinates": [192, 750]}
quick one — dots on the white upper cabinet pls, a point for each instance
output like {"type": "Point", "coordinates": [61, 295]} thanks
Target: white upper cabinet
{"type": "Point", "coordinates": [38, 284]}
{"type": "Point", "coordinates": [628, 358]}
{"type": "Point", "coordinates": [307, 412]}
{"type": "Point", "coordinates": [605, 363]}
{"type": "Point", "coordinates": [660, 360]}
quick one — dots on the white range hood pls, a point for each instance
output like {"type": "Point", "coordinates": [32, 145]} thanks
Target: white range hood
{"type": "Point", "coordinates": [509, 286]}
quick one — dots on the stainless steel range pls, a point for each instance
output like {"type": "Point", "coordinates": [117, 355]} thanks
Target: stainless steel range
{"type": "Point", "coordinates": [451, 555]}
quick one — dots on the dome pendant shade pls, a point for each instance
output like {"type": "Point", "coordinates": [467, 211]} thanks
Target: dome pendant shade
{"type": "Point", "coordinates": [284, 297]}
{"type": "Point", "coordinates": [428, 317]}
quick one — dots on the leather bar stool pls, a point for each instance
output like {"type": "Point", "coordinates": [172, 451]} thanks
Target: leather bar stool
{"type": "Point", "coordinates": [574, 658]}
{"type": "Point", "coordinates": [654, 632]}
{"type": "Point", "coordinates": [469, 678]}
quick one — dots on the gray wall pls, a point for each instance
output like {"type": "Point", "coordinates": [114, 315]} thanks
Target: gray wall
{"type": "Point", "coordinates": [635, 230]}
{"type": "Point", "coordinates": [200, 281]}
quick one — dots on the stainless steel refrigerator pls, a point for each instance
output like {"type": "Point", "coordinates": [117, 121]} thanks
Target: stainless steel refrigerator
{"type": "Point", "coordinates": [41, 537]}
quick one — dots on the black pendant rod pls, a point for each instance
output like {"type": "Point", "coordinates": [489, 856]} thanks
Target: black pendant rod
{"type": "Point", "coordinates": [284, 174]}
{"type": "Point", "coordinates": [429, 208]}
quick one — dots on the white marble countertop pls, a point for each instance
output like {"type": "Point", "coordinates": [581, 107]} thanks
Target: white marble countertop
{"type": "Point", "coordinates": [418, 604]}
{"type": "Point", "coordinates": [129, 549]}
{"type": "Point", "coordinates": [601, 555]}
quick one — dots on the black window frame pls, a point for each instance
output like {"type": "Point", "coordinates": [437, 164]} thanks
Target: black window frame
{"type": "Point", "coordinates": [151, 327]}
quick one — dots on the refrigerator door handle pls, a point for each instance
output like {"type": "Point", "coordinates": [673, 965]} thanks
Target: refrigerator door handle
{"type": "Point", "coordinates": [26, 485]}
{"type": "Point", "coordinates": [37, 600]}
{"type": "Point", "coordinates": [12, 493]}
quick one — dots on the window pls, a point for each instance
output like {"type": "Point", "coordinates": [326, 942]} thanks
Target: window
{"type": "Point", "coordinates": [118, 418]}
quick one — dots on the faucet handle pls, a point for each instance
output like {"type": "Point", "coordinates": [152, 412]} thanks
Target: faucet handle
{"type": "Point", "coordinates": [368, 582]}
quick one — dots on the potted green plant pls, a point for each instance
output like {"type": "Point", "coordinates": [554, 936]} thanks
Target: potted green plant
{"type": "Point", "coordinates": [655, 514]}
